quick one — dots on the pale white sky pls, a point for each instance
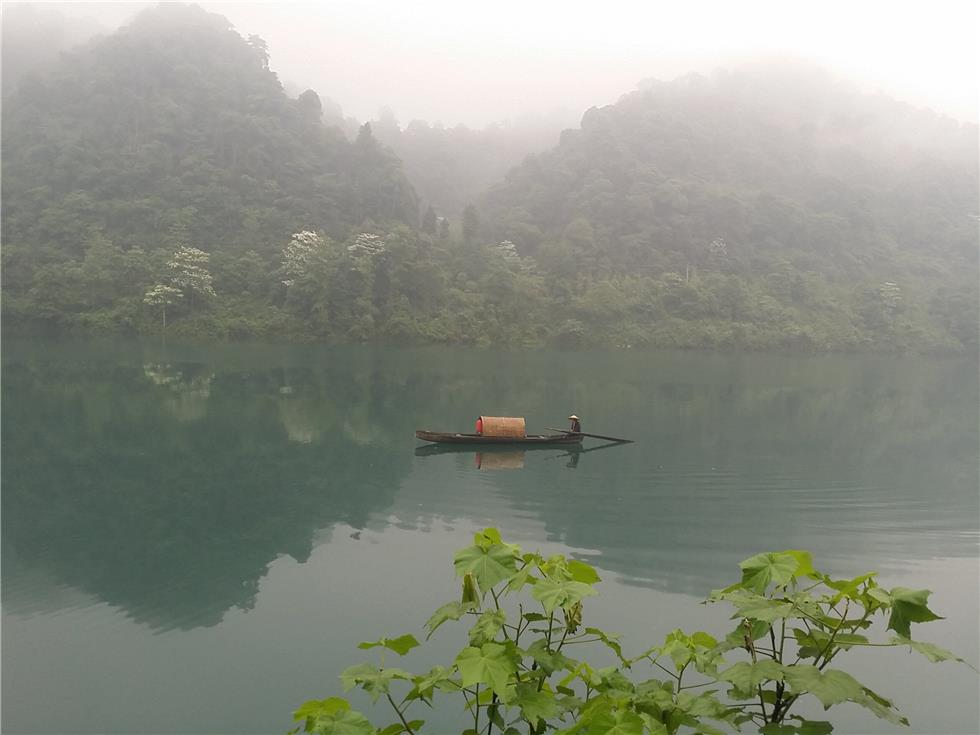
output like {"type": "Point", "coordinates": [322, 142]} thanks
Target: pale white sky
{"type": "Point", "coordinates": [478, 62]}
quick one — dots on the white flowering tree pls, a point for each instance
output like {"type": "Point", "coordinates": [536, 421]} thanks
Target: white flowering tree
{"type": "Point", "coordinates": [298, 256]}
{"type": "Point", "coordinates": [189, 268]}
{"type": "Point", "coordinates": [366, 245]}
{"type": "Point", "coordinates": [163, 296]}
{"type": "Point", "coordinates": [508, 250]}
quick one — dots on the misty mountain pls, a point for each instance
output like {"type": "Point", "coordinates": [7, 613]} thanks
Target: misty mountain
{"type": "Point", "coordinates": [769, 207]}
{"type": "Point", "coordinates": [776, 163]}
{"type": "Point", "coordinates": [176, 123]}
{"type": "Point", "coordinates": [34, 37]}
{"type": "Point", "coordinates": [451, 167]}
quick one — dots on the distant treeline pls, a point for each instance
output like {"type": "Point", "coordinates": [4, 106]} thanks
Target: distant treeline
{"type": "Point", "coordinates": [162, 174]}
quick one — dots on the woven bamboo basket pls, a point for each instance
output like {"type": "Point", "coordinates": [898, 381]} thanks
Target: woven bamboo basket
{"type": "Point", "coordinates": [503, 426]}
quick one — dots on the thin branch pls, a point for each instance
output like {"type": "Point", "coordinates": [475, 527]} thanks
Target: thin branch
{"type": "Point", "coordinates": [401, 717]}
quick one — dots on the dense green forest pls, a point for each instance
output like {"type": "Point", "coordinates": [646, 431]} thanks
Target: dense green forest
{"type": "Point", "coordinates": [160, 178]}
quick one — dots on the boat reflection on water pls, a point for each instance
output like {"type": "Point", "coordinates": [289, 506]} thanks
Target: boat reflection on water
{"type": "Point", "coordinates": [513, 460]}
{"type": "Point", "coordinates": [505, 457]}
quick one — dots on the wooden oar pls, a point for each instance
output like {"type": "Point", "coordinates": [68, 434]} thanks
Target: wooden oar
{"type": "Point", "coordinates": [594, 436]}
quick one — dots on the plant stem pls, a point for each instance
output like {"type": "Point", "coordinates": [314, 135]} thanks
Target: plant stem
{"type": "Point", "coordinates": [401, 717]}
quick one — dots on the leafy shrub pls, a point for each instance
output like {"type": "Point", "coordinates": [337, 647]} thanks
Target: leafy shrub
{"type": "Point", "coordinates": [518, 673]}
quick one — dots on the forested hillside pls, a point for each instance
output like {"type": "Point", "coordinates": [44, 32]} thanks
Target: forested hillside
{"type": "Point", "coordinates": [764, 204]}
{"type": "Point", "coordinates": [161, 179]}
{"type": "Point", "coordinates": [170, 132]}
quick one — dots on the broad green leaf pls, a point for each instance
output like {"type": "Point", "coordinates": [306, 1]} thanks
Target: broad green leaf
{"type": "Point", "coordinates": [761, 570]}
{"type": "Point", "coordinates": [930, 650]}
{"type": "Point", "coordinates": [705, 640]}
{"type": "Point", "coordinates": [747, 676]}
{"type": "Point", "coordinates": [487, 538]}
{"type": "Point", "coordinates": [349, 676]}
{"type": "Point", "coordinates": [343, 722]}
{"type": "Point", "coordinates": [400, 645]}
{"type": "Point", "coordinates": [533, 617]}
{"type": "Point", "coordinates": [611, 678]}
{"type": "Point", "coordinates": [554, 594]}
{"type": "Point", "coordinates": [804, 563]}
{"type": "Point", "coordinates": [535, 705]}
{"type": "Point", "coordinates": [656, 694]}
{"type": "Point", "coordinates": [520, 578]}
{"type": "Point", "coordinates": [811, 642]}
{"type": "Point", "coordinates": [487, 626]}
{"type": "Point", "coordinates": [813, 727]}
{"type": "Point", "coordinates": [491, 664]}
{"type": "Point", "coordinates": [549, 661]}
{"type": "Point", "coordinates": [703, 728]}
{"type": "Point", "coordinates": [610, 641]}
{"type": "Point", "coordinates": [705, 704]}
{"type": "Point", "coordinates": [489, 565]}
{"type": "Point", "coordinates": [753, 606]}
{"type": "Point", "coordinates": [679, 651]}
{"type": "Point", "coordinates": [736, 638]}
{"type": "Point", "coordinates": [774, 729]}
{"type": "Point", "coordinates": [830, 687]}
{"type": "Point", "coordinates": [909, 606]}
{"type": "Point", "coordinates": [653, 725]}
{"type": "Point", "coordinates": [317, 707]}
{"type": "Point", "coordinates": [881, 707]}
{"type": "Point", "coordinates": [426, 683]}
{"type": "Point", "coordinates": [582, 572]}
{"type": "Point", "coordinates": [847, 587]}
{"type": "Point", "coordinates": [616, 722]}
{"type": "Point", "coordinates": [449, 611]}
{"type": "Point", "coordinates": [375, 681]}
{"type": "Point", "coordinates": [398, 728]}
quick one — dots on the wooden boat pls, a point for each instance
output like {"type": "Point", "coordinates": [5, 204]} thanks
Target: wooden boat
{"type": "Point", "coordinates": [438, 437]}
{"type": "Point", "coordinates": [440, 448]}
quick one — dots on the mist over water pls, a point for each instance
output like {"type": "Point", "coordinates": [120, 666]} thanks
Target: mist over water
{"type": "Point", "coordinates": [742, 234]}
{"type": "Point", "coordinates": [256, 510]}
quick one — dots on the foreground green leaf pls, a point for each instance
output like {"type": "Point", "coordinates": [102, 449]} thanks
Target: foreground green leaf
{"type": "Point", "coordinates": [535, 705]}
{"type": "Point", "coordinates": [342, 722]}
{"type": "Point", "coordinates": [747, 676]}
{"type": "Point", "coordinates": [909, 606]}
{"type": "Point", "coordinates": [449, 611]}
{"type": "Point", "coordinates": [317, 707]}
{"type": "Point", "coordinates": [400, 645]}
{"type": "Point", "coordinates": [830, 687]}
{"type": "Point", "coordinates": [491, 664]}
{"type": "Point", "coordinates": [553, 594]}
{"type": "Point", "coordinates": [761, 570]}
{"type": "Point", "coordinates": [489, 565]}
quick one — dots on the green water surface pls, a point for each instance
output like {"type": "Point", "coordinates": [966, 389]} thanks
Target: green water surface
{"type": "Point", "coordinates": [194, 538]}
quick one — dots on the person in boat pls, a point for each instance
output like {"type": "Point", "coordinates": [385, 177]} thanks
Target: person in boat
{"type": "Point", "coordinates": [576, 426]}
{"type": "Point", "coordinates": [479, 425]}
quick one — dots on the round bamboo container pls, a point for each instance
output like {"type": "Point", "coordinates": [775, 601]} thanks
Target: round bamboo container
{"type": "Point", "coordinates": [503, 426]}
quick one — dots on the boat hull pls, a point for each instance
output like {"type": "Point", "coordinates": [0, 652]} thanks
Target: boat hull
{"type": "Point", "coordinates": [438, 437]}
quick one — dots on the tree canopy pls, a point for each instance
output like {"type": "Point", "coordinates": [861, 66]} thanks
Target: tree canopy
{"type": "Point", "coordinates": [759, 208]}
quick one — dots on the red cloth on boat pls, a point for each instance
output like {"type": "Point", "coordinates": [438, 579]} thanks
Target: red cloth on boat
{"type": "Point", "coordinates": [479, 425]}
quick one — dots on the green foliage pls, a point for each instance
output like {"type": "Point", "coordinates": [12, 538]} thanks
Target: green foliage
{"type": "Point", "coordinates": [667, 219]}
{"type": "Point", "coordinates": [515, 675]}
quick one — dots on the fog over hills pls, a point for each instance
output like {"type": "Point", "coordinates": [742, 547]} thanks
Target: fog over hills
{"type": "Point", "coordinates": [770, 205]}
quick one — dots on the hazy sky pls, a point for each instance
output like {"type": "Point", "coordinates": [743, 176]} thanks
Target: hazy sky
{"type": "Point", "coordinates": [477, 61]}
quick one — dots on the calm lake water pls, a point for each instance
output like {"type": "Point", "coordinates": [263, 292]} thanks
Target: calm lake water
{"type": "Point", "coordinates": [194, 538]}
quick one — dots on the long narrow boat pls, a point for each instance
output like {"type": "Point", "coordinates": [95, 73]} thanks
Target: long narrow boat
{"type": "Point", "coordinates": [444, 438]}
